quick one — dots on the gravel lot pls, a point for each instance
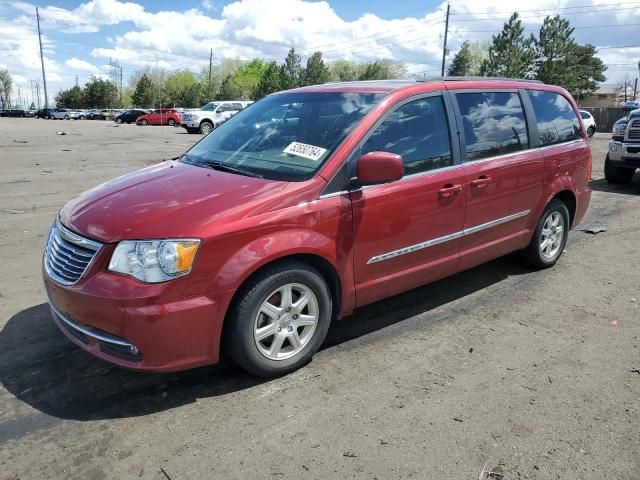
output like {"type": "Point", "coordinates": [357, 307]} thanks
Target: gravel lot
{"type": "Point", "coordinates": [532, 374]}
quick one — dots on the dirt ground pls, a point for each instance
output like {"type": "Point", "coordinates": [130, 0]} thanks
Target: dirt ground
{"type": "Point", "coordinates": [524, 374]}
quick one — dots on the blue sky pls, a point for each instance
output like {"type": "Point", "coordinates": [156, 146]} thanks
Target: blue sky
{"type": "Point", "coordinates": [82, 36]}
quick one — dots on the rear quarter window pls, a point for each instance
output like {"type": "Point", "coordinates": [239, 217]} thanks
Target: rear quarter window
{"type": "Point", "coordinates": [557, 122]}
{"type": "Point", "coordinates": [494, 124]}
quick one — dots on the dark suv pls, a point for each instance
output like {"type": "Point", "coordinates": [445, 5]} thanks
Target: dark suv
{"type": "Point", "coordinates": [130, 116]}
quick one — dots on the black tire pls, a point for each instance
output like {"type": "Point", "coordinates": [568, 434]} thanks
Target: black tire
{"type": "Point", "coordinates": [171, 122]}
{"type": "Point", "coordinates": [238, 338]}
{"type": "Point", "coordinates": [118, 120]}
{"type": "Point", "coordinates": [206, 127]}
{"type": "Point", "coordinates": [615, 174]}
{"type": "Point", "coordinates": [66, 117]}
{"type": "Point", "coordinates": [144, 123]}
{"type": "Point", "coordinates": [533, 253]}
{"type": "Point", "coordinates": [591, 131]}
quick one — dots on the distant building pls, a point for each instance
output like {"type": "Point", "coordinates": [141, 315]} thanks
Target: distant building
{"type": "Point", "coordinates": [607, 95]}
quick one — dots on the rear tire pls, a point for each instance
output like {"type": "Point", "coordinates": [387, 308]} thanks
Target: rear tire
{"type": "Point", "coordinates": [615, 174]}
{"type": "Point", "coordinates": [119, 120]}
{"type": "Point", "coordinates": [144, 123]}
{"type": "Point", "coordinates": [591, 131]}
{"type": "Point", "coordinates": [171, 122]}
{"type": "Point", "coordinates": [279, 319]}
{"type": "Point", "coordinates": [549, 237]}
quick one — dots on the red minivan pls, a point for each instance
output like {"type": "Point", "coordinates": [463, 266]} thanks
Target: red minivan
{"type": "Point", "coordinates": [308, 204]}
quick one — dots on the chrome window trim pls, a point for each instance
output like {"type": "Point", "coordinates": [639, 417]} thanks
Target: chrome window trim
{"type": "Point", "coordinates": [89, 332]}
{"type": "Point", "coordinates": [447, 238]}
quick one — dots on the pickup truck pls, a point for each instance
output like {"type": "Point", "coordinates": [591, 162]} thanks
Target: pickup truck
{"type": "Point", "coordinates": [623, 157]}
{"type": "Point", "coordinates": [205, 119]}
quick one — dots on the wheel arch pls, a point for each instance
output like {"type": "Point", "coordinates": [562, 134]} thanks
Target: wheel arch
{"type": "Point", "coordinates": [569, 199]}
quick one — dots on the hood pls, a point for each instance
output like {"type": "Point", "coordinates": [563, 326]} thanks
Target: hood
{"type": "Point", "coordinates": [171, 199]}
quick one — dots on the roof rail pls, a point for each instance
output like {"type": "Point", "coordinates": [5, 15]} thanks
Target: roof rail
{"type": "Point", "coordinates": [463, 78]}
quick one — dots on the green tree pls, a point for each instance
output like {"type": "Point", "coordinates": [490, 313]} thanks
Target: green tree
{"type": "Point", "coordinates": [72, 98]}
{"type": "Point", "coordinates": [316, 72]}
{"type": "Point", "coordinates": [468, 60]}
{"type": "Point", "coordinates": [561, 61]}
{"type": "Point", "coordinates": [269, 81]}
{"type": "Point", "coordinates": [219, 72]}
{"type": "Point", "coordinates": [100, 93]}
{"type": "Point", "coordinates": [32, 106]}
{"type": "Point", "coordinates": [343, 70]}
{"type": "Point", "coordinates": [6, 85]}
{"type": "Point", "coordinates": [145, 92]}
{"type": "Point", "coordinates": [182, 89]}
{"type": "Point", "coordinates": [242, 83]}
{"type": "Point", "coordinates": [510, 54]}
{"type": "Point", "coordinates": [291, 71]}
{"type": "Point", "coordinates": [377, 70]}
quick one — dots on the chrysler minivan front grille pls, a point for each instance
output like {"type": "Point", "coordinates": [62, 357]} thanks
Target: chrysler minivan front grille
{"type": "Point", "coordinates": [67, 254]}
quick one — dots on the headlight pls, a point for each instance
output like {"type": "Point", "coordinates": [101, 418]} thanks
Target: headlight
{"type": "Point", "coordinates": [619, 130]}
{"type": "Point", "coordinates": [154, 261]}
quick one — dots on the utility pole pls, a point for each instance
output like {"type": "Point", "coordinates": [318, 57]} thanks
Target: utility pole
{"type": "Point", "coordinates": [44, 78]}
{"type": "Point", "coordinates": [444, 47]}
{"type": "Point", "coordinates": [210, 86]}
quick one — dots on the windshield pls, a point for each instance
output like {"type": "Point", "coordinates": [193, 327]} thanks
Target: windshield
{"type": "Point", "coordinates": [210, 106]}
{"type": "Point", "coordinates": [284, 136]}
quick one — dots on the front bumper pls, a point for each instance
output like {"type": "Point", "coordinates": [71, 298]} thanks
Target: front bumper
{"type": "Point", "coordinates": [148, 327]}
{"type": "Point", "coordinates": [624, 154]}
{"type": "Point", "coordinates": [190, 124]}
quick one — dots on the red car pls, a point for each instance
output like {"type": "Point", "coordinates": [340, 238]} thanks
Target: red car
{"type": "Point", "coordinates": [308, 204]}
{"type": "Point", "coordinates": [162, 116]}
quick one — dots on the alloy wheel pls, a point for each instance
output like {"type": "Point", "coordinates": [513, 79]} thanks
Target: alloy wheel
{"type": "Point", "coordinates": [553, 232]}
{"type": "Point", "coordinates": [286, 321]}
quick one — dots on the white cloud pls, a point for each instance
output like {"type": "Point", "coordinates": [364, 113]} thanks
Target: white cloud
{"type": "Point", "coordinates": [249, 28]}
{"type": "Point", "coordinates": [78, 64]}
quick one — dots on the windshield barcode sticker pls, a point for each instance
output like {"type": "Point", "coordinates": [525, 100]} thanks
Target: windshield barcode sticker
{"type": "Point", "coordinates": [303, 150]}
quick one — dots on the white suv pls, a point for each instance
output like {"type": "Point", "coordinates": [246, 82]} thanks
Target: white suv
{"type": "Point", "coordinates": [205, 119]}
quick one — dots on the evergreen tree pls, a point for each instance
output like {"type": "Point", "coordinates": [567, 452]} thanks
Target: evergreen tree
{"type": "Point", "coordinates": [291, 71]}
{"type": "Point", "coordinates": [269, 82]}
{"type": "Point", "coordinates": [510, 54]}
{"type": "Point", "coordinates": [561, 61]}
{"type": "Point", "coordinates": [100, 93]}
{"type": "Point", "coordinates": [469, 58]}
{"type": "Point", "coordinates": [71, 98]}
{"type": "Point", "coordinates": [316, 72]}
{"type": "Point", "coordinates": [461, 64]}
{"type": "Point", "coordinates": [145, 92]}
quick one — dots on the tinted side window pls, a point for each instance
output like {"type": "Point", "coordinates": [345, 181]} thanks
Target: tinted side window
{"type": "Point", "coordinates": [493, 122]}
{"type": "Point", "coordinates": [419, 132]}
{"type": "Point", "coordinates": [584, 115]}
{"type": "Point", "coordinates": [557, 122]}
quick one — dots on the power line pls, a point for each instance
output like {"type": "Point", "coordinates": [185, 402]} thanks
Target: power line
{"type": "Point", "coordinates": [551, 9]}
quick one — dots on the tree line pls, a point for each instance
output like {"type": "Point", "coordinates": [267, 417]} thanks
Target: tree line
{"type": "Point", "coordinates": [232, 79]}
{"type": "Point", "coordinates": [552, 57]}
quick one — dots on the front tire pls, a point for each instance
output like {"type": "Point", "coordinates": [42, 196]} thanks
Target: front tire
{"type": "Point", "coordinates": [591, 131]}
{"type": "Point", "coordinates": [144, 123]}
{"type": "Point", "coordinates": [615, 174]}
{"type": "Point", "coordinates": [119, 120]}
{"type": "Point", "coordinates": [279, 319]}
{"type": "Point", "coordinates": [206, 128]}
{"type": "Point", "coordinates": [171, 122]}
{"type": "Point", "coordinates": [550, 236]}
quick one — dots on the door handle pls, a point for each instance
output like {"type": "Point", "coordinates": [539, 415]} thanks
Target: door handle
{"type": "Point", "coordinates": [481, 181]}
{"type": "Point", "coordinates": [450, 190]}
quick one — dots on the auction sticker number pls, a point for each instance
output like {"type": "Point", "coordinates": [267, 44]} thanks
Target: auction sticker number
{"type": "Point", "coordinates": [307, 151]}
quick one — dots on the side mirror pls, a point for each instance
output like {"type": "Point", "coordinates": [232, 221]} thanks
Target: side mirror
{"type": "Point", "coordinates": [379, 167]}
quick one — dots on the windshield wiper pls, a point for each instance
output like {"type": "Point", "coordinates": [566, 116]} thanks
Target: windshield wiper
{"type": "Point", "coordinates": [223, 167]}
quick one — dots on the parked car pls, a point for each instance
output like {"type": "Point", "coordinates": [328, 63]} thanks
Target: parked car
{"type": "Point", "coordinates": [205, 119]}
{"type": "Point", "coordinates": [309, 204]}
{"type": "Point", "coordinates": [589, 122]}
{"type": "Point", "coordinates": [129, 116]}
{"type": "Point", "coordinates": [162, 116]}
{"type": "Point", "coordinates": [13, 112]}
{"type": "Point", "coordinates": [61, 114]}
{"type": "Point", "coordinates": [623, 157]}
{"type": "Point", "coordinates": [46, 113]}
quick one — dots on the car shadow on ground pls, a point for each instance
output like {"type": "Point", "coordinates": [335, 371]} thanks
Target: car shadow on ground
{"type": "Point", "coordinates": [43, 369]}
{"type": "Point", "coordinates": [633, 188]}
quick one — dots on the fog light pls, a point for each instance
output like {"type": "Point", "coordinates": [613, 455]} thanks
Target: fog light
{"type": "Point", "coordinates": [134, 350]}
{"type": "Point", "coordinates": [613, 148]}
